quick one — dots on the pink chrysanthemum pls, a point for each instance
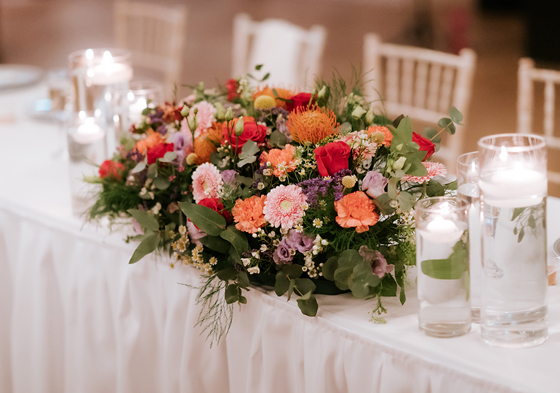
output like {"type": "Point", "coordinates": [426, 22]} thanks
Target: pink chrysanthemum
{"type": "Point", "coordinates": [434, 169]}
{"type": "Point", "coordinates": [206, 180]}
{"type": "Point", "coordinates": [285, 206]}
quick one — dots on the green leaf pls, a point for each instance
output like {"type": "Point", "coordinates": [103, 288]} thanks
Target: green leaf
{"type": "Point", "coordinates": [402, 296]}
{"type": "Point", "coordinates": [265, 77]}
{"type": "Point", "coordinates": [258, 67]}
{"type": "Point", "coordinates": [304, 285]}
{"type": "Point", "coordinates": [242, 299]}
{"type": "Point", "coordinates": [277, 139]}
{"type": "Point", "coordinates": [215, 243]}
{"type": "Point", "coordinates": [308, 305]}
{"type": "Point", "coordinates": [406, 200]}
{"type": "Point", "coordinates": [345, 127]}
{"type": "Point", "coordinates": [392, 188]}
{"type": "Point", "coordinates": [330, 267]}
{"type": "Point", "coordinates": [237, 239]}
{"type": "Point", "coordinates": [363, 280]}
{"type": "Point", "coordinates": [521, 235]}
{"type": "Point", "coordinates": [388, 286]}
{"type": "Point", "coordinates": [402, 135]}
{"type": "Point", "coordinates": [292, 271]}
{"type": "Point", "coordinates": [430, 134]}
{"type": "Point", "coordinates": [516, 212]}
{"type": "Point", "coordinates": [447, 124]}
{"type": "Point", "coordinates": [282, 284]}
{"type": "Point", "coordinates": [434, 189]}
{"type": "Point", "coordinates": [232, 293]}
{"type": "Point", "coordinates": [153, 171]}
{"type": "Point", "coordinates": [243, 280]}
{"type": "Point", "coordinates": [227, 274]}
{"type": "Point", "coordinates": [451, 268]}
{"type": "Point", "coordinates": [245, 161]}
{"type": "Point", "coordinates": [247, 181]}
{"type": "Point", "coordinates": [382, 202]}
{"type": "Point", "coordinates": [168, 157]}
{"type": "Point", "coordinates": [139, 167]}
{"type": "Point", "coordinates": [209, 221]}
{"type": "Point", "coordinates": [291, 288]}
{"type": "Point", "coordinates": [147, 246]}
{"type": "Point", "coordinates": [397, 121]}
{"type": "Point", "coordinates": [162, 183]}
{"type": "Point", "coordinates": [250, 148]}
{"type": "Point", "coordinates": [145, 219]}
{"type": "Point", "coordinates": [455, 115]}
{"type": "Point", "coordinates": [416, 168]}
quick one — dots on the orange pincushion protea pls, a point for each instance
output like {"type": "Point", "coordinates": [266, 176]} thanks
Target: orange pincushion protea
{"type": "Point", "coordinates": [282, 93]}
{"type": "Point", "coordinates": [207, 143]}
{"type": "Point", "coordinates": [312, 124]}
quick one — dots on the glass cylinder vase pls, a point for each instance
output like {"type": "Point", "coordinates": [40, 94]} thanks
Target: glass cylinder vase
{"type": "Point", "coordinates": [513, 187]}
{"type": "Point", "coordinates": [442, 259]}
{"type": "Point", "coordinates": [467, 190]}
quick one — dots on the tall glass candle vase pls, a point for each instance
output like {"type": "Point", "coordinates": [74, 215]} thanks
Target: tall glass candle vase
{"type": "Point", "coordinates": [513, 187]}
{"type": "Point", "coordinates": [100, 80]}
{"type": "Point", "coordinates": [442, 258]}
{"type": "Point", "coordinates": [467, 190]}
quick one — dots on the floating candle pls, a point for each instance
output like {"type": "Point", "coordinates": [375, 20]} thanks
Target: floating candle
{"type": "Point", "coordinates": [513, 187]}
{"type": "Point", "coordinates": [88, 132]}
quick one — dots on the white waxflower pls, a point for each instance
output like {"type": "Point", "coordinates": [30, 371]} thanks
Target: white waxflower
{"type": "Point", "coordinates": [254, 270]}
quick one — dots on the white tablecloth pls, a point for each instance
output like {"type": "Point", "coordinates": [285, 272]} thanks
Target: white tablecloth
{"type": "Point", "coordinates": [75, 317]}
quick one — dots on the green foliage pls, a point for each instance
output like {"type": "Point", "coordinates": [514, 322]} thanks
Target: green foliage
{"type": "Point", "coordinates": [451, 268]}
{"type": "Point", "coordinates": [203, 217]}
{"type": "Point", "coordinates": [248, 153]}
{"type": "Point", "coordinates": [146, 220]}
{"type": "Point", "coordinates": [147, 246]}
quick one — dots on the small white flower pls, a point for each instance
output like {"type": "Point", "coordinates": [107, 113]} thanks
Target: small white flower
{"type": "Point", "coordinates": [254, 270]}
{"type": "Point", "coordinates": [213, 261]}
{"type": "Point", "coordinates": [324, 242]}
{"type": "Point", "coordinates": [182, 230]}
{"type": "Point", "coordinates": [264, 248]}
{"type": "Point", "coordinates": [317, 223]}
{"type": "Point", "coordinates": [272, 234]}
{"type": "Point", "coordinates": [246, 261]}
{"type": "Point", "coordinates": [255, 254]}
{"type": "Point", "coordinates": [260, 186]}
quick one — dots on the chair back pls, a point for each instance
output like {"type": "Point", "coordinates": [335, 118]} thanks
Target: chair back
{"type": "Point", "coordinates": [528, 76]}
{"type": "Point", "coordinates": [154, 34]}
{"type": "Point", "coordinates": [420, 83]}
{"type": "Point", "coordinates": [290, 54]}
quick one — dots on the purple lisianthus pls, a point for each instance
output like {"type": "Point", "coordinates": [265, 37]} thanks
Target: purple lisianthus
{"type": "Point", "coordinates": [283, 254]}
{"type": "Point", "coordinates": [157, 116]}
{"type": "Point", "coordinates": [228, 176]}
{"type": "Point", "coordinates": [298, 241]}
{"type": "Point", "coordinates": [377, 261]}
{"type": "Point", "coordinates": [374, 184]}
{"type": "Point", "coordinates": [162, 130]}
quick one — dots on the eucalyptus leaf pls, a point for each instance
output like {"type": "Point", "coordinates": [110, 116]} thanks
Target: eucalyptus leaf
{"type": "Point", "coordinates": [434, 189]}
{"type": "Point", "coordinates": [345, 127]}
{"type": "Point", "coordinates": [406, 200]}
{"type": "Point", "coordinates": [292, 271]}
{"type": "Point", "coordinates": [516, 212]}
{"type": "Point", "coordinates": [145, 219]}
{"type": "Point", "coordinates": [227, 274]}
{"type": "Point", "coordinates": [455, 115]}
{"type": "Point", "coordinates": [162, 183]}
{"type": "Point", "coordinates": [282, 284]}
{"type": "Point", "coordinates": [243, 280]}
{"type": "Point", "coordinates": [245, 161]}
{"type": "Point", "coordinates": [168, 156]}
{"type": "Point", "coordinates": [265, 77]}
{"type": "Point", "coordinates": [258, 67]}
{"type": "Point", "coordinates": [447, 124]}
{"type": "Point", "coordinates": [416, 168]}
{"type": "Point", "coordinates": [451, 268]}
{"type": "Point", "coordinates": [250, 148]}
{"type": "Point", "coordinates": [247, 181]}
{"type": "Point", "coordinates": [392, 188]}
{"type": "Point", "coordinates": [209, 221]}
{"type": "Point", "coordinates": [232, 293]}
{"type": "Point", "coordinates": [330, 267]}
{"type": "Point", "coordinates": [139, 167]}
{"type": "Point", "coordinates": [308, 305]}
{"type": "Point", "coordinates": [291, 288]}
{"type": "Point", "coordinates": [388, 286]}
{"type": "Point", "coordinates": [146, 246]}
{"type": "Point", "coordinates": [382, 202]}
{"type": "Point", "coordinates": [304, 285]}
{"type": "Point", "coordinates": [277, 139]}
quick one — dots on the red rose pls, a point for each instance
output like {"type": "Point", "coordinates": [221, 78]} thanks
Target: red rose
{"type": "Point", "coordinates": [217, 206]}
{"type": "Point", "coordinates": [251, 132]}
{"type": "Point", "coordinates": [111, 169]}
{"type": "Point", "coordinates": [332, 157]}
{"type": "Point", "coordinates": [158, 151]}
{"type": "Point", "coordinates": [425, 145]}
{"type": "Point", "coordinates": [232, 85]}
{"type": "Point", "coordinates": [300, 99]}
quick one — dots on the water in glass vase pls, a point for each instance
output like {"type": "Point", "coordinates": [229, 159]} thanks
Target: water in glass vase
{"type": "Point", "coordinates": [514, 311]}
{"type": "Point", "coordinates": [443, 278]}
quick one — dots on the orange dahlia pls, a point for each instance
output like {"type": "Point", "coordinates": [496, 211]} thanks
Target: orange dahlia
{"type": "Point", "coordinates": [207, 143]}
{"type": "Point", "coordinates": [312, 124]}
{"type": "Point", "coordinates": [356, 210]}
{"type": "Point", "coordinates": [268, 91]}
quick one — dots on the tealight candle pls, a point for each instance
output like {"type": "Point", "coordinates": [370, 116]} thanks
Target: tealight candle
{"type": "Point", "coordinates": [442, 230]}
{"type": "Point", "coordinates": [88, 132]}
{"type": "Point", "coordinates": [518, 187]}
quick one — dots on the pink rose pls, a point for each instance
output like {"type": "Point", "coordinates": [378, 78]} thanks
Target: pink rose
{"type": "Point", "coordinates": [374, 184]}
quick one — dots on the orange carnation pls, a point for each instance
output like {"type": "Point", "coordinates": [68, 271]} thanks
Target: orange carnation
{"type": "Point", "coordinates": [248, 214]}
{"type": "Point", "coordinates": [356, 210]}
{"type": "Point", "coordinates": [153, 139]}
{"type": "Point", "coordinates": [384, 130]}
{"type": "Point", "coordinates": [312, 124]}
{"type": "Point", "coordinates": [280, 156]}
{"type": "Point", "coordinates": [207, 143]}
{"type": "Point", "coordinates": [282, 93]}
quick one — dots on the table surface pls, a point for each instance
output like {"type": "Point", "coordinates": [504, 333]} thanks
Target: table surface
{"type": "Point", "coordinates": [36, 185]}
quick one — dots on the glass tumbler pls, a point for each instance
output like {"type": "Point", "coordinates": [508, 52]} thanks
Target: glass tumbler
{"type": "Point", "coordinates": [442, 259]}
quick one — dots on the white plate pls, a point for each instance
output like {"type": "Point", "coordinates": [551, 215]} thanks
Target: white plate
{"type": "Point", "coordinates": [15, 75]}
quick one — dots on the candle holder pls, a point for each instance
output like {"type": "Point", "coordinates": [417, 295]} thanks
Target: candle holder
{"type": "Point", "coordinates": [442, 258]}
{"type": "Point", "coordinates": [467, 190]}
{"type": "Point", "coordinates": [513, 189]}
{"type": "Point", "coordinates": [87, 148]}
{"type": "Point", "coordinates": [100, 79]}
{"type": "Point", "coordinates": [142, 94]}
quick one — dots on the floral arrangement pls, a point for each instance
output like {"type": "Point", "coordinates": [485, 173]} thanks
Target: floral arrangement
{"type": "Point", "coordinates": [306, 192]}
